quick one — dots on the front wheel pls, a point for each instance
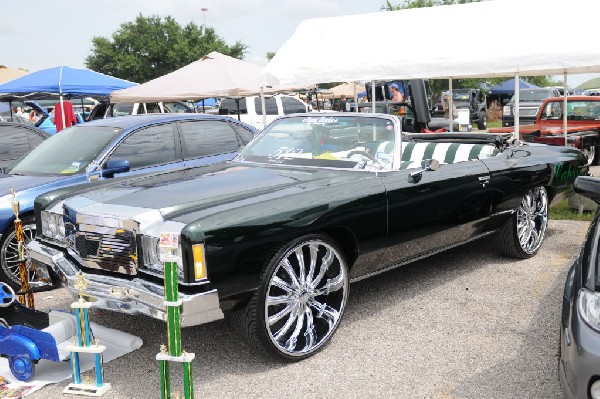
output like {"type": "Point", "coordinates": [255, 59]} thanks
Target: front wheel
{"type": "Point", "coordinates": [522, 235]}
{"type": "Point", "coordinates": [9, 254]}
{"type": "Point", "coordinates": [301, 299]}
{"type": "Point", "coordinates": [21, 367]}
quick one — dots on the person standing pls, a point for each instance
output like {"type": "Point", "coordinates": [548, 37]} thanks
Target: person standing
{"type": "Point", "coordinates": [69, 115]}
{"type": "Point", "coordinates": [344, 104]}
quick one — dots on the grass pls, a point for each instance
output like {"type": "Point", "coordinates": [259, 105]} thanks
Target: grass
{"type": "Point", "coordinates": [494, 124]}
{"type": "Point", "coordinates": [562, 211]}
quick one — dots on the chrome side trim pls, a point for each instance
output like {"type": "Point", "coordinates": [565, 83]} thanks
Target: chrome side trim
{"type": "Point", "coordinates": [135, 296]}
{"type": "Point", "coordinates": [411, 260]}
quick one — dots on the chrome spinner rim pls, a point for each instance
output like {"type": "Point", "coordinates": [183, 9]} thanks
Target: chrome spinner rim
{"type": "Point", "coordinates": [532, 220]}
{"type": "Point", "coordinates": [306, 297]}
{"type": "Point", "coordinates": [10, 254]}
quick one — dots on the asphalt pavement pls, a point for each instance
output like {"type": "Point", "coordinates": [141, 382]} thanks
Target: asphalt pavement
{"type": "Point", "coordinates": [466, 323]}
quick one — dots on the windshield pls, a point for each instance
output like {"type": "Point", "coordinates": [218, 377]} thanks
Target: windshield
{"type": "Point", "coordinates": [68, 152]}
{"type": "Point", "coordinates": [576, 110]}
{"type": "Point", "coordinates": [533, 96]}
{"type": "Point", "coordinates": [327, 141]}
{"type": "Point", "coordinates": [461, 95]}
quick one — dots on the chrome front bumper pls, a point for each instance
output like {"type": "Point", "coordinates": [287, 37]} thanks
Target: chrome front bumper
{"type": "Point", "coordinates": [127, 296]}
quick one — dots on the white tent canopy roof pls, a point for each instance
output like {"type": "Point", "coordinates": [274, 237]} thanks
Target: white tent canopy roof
{"type": "Point", "coordinates": [534, 37]}
{"type": "Point", "coordinates": [214, 75]}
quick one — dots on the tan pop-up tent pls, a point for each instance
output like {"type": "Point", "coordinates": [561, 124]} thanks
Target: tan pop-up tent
{"type": "Point", "coordinates": [7, 73]}
{"type": "Point", "coordinates": [214, 75]}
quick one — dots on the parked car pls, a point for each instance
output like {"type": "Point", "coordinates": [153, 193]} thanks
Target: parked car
{"type": "Point", "coordinates": [16, 140]}
{"type": "Point", "coordinates": [530, 101]}
{"type": "Point", "coordinates": [250, 108]}
{"type": "Point", "coordinates": [314, 202]}
{"type": "Point", "coordinates": [579, 357]}
{"type": "Point", "coordinates": [106, 148]}
{"type": "Point", "coordinates": [105, 109]}
{"type": "Point", "coordinates": [583, 125]}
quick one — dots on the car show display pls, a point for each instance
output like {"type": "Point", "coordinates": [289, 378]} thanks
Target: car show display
{"type": "Point", "coordinates": [316, 201]}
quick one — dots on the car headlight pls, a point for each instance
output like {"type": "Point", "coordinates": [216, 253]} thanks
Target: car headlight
{"type": "Point", "coordinates": [154, 254]}
{"type": "Point", "coordinates": [588, 303]}
{"type": "Point", "coordinates": [507, 110]}
{"type": "Point", "coordinates": [53, 225]}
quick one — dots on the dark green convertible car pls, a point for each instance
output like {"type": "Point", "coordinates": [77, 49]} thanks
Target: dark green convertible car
{"type": "Point", "coordinates": [315, 202]}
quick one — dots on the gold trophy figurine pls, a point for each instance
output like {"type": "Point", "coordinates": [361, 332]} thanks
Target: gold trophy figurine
{"type": "Point", "coordinates": [26, 295]}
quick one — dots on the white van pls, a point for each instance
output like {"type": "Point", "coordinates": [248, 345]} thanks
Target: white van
{"type": "Point", "coordinates": [106, 110]}
{"type": "Point", "coordinates": [250, 108]}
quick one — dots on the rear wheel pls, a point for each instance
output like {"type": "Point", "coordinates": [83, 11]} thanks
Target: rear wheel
{"type": "Point", "coordinates": [9, 254]}
{"type": "Point", "coordinates": [590, 153]}
{"type": "Point", "coordinates": [301, 300]}
{"type": "Point", "coordinates": [522, 235]}
{"type": "Point", "coordinates": [482, 121]}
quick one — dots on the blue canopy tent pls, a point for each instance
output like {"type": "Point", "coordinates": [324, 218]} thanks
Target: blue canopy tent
{"type": "Point", "coordinates": [508, 87]}
{"type": "Point", "coordinates": [62, 82]}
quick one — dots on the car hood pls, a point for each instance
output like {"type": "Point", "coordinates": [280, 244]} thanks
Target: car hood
{"type": "Point", "coordinates": [525, 104]}
{"type": "Point", "coordinates": [22, 183]}
{"type": "Point", "coordinates": [189, 195]}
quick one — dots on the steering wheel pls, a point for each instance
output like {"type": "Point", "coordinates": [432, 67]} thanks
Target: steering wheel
{"type": "Point", "coordinates": [7, 295]}
{"type": "Point", "coordinates": [366, 154]}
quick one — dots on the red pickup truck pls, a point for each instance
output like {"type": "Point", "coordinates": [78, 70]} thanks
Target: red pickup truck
{"type": "Point", "coordinates": [583, 125]}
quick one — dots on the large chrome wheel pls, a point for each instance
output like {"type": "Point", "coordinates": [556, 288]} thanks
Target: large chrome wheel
{"type": "Point", "coordinates": [301, 300]}
{"type": "Point", "coordinates": [523, 234]}
{"type": "Point", "coordinates": [9, 255]}
{"type": "Point", "coordinates": [590, 153]}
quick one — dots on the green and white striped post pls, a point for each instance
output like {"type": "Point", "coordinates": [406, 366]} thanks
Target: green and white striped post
{"type": "Point", "coordinates": [173, 352]}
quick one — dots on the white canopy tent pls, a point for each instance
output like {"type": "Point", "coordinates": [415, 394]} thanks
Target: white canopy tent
{"type": "Point", "coordinates": [404, 44]}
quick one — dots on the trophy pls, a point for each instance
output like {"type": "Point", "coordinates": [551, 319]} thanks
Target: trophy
{"type": "Point", "coordinates": [173, 352]}
{"type": "Point", "coordinates": [85, 343]}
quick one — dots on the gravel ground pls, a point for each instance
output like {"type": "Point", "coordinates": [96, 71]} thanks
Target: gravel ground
{"type": "Point", "coordinates": [463, 324]}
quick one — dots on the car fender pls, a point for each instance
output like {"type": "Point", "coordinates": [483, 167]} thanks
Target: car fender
{"type": "Point", "coordinates": [14, 344]}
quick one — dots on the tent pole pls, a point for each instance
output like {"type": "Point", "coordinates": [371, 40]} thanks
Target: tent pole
{"type": "Point", "coordinates": [82, 110]}
{"type": "Point", "coordinates": [355, 98]}
{"type": "Point", "coordinates": [62, 111]}
{"type": "Point", "coordinates": [516, 105]}
{"type": "Point", "coordinates": [373, 96]}
{"type": "Point", "coordinates": [262, 103]}
{"type": "Point", "coordinates": [450, 106]}
{"type": "Point", "coordinates": [565, 107]}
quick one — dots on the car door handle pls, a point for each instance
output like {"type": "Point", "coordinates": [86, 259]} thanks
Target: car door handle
{"type": "Point", "coordinates": [483, 180]}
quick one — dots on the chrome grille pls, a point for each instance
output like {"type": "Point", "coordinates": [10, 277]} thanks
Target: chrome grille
{"type": "Point", "coordinates": [116, 253]}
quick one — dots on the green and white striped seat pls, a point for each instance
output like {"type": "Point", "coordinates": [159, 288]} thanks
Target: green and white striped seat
{"type": "Point", "coordinates": [414, 153]}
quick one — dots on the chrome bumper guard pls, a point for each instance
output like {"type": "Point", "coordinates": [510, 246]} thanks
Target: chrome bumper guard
{"type": "Point", "coordinates": [127, 296]}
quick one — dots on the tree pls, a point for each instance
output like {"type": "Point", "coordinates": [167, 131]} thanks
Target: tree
{"type": "Point", "coordinates": [270, 55]}
{"type": "Point", "coordinates": [152, 46]}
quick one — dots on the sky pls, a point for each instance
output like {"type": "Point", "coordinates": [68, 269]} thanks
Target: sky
{"type": "Point", "coordinates": [40, 34]}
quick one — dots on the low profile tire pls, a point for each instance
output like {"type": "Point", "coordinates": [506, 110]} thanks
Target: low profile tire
{"type": "Point", "coordinates": [21, 367]}
{"type": "Point", "coordinates": [482, 121]}
{"type": "Point", "coordinates": [522, 236]}
{"type": "Point", "coordinates": [591, 154]}
{"type": "Point", "coordinates": [9, 254]}
{"type": "Point", "coordinates": [300, 301]}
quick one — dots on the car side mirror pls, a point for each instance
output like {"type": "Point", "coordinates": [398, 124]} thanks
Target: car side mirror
{"type": "Point", "coordinates": [114, 166]}
{"type": "Point", "coordinates": [426, 165]}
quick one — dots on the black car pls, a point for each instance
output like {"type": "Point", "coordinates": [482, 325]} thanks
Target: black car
{"type": "Point", "coordinates": [314, 202]}
{"type": "Point", "coordinates": [16, 140]}
{"type": "Point", "coordinates": [579, 362]}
